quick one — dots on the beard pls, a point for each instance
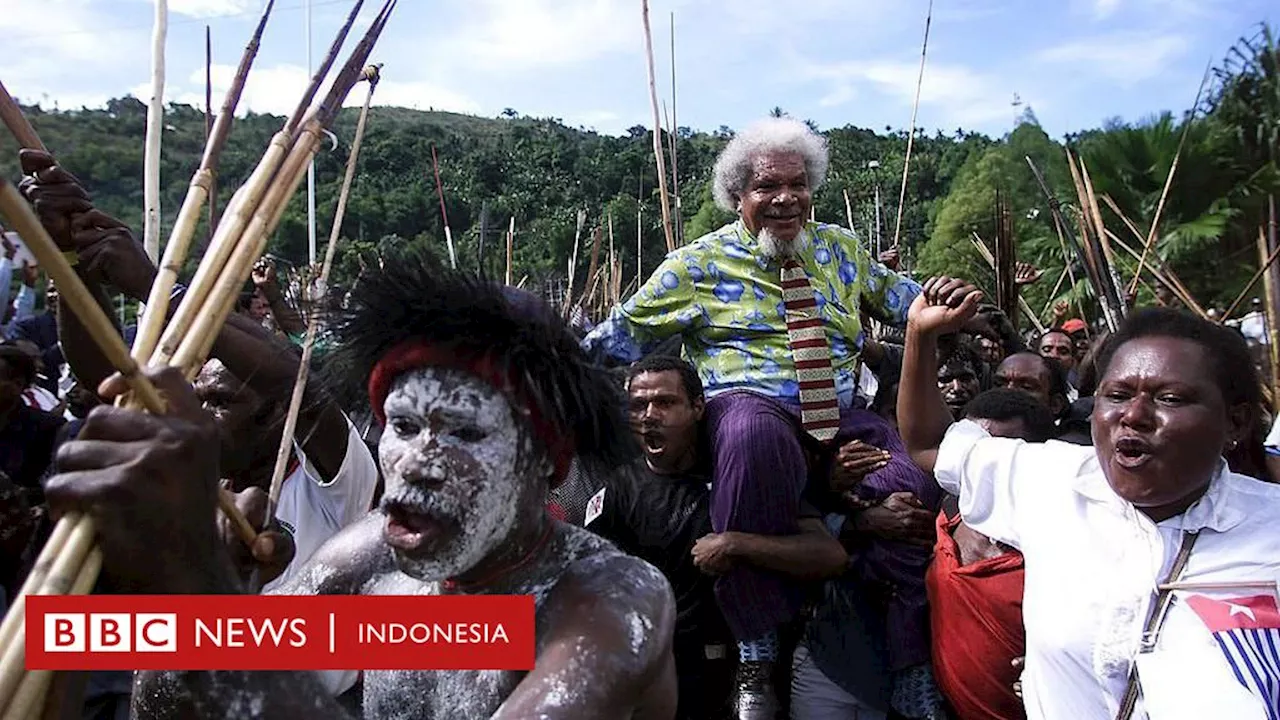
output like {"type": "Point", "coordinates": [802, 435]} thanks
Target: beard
{"type": "Point", "coordinates": [775, 248]}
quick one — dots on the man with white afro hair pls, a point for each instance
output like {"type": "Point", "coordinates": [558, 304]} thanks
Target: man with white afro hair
{"type": "Point", "coordinates": [769, 309]}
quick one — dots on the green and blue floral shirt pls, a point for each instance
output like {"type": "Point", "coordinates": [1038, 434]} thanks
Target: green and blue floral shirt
{"type": "Point", "coordinates": [724, 298]}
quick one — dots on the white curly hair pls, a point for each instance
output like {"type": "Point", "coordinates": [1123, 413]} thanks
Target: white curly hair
{"type": "Point", "coordinates": [734, 166]}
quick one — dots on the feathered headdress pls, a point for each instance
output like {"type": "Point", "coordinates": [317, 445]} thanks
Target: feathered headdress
{"type": "Point", "coordinates": [416, 313]}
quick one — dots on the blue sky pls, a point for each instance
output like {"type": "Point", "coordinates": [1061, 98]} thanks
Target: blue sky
{"type": "Point", "coordinates": [837, 62]}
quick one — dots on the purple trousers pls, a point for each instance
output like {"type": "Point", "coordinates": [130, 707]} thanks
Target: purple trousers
{"type": "Point", "coordinates": [761, 457]}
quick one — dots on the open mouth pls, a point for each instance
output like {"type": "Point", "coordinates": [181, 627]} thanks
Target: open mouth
{"type": "Point", "coordinates": [1132, 452]}
{"type": "Point", "coordinates": [410, 527]}
{"type": "Point", "coordinates": [653, 442]}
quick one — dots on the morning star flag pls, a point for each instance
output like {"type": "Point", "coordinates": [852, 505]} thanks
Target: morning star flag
{"type": "Point", "coordinates": [1248, 631]}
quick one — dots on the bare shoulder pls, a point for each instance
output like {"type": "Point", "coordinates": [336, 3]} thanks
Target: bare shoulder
{"type": "Point", "coordinates": [346, 563]}
{"type": "Point", "coordinates": [598, 569]}
{"type": "Point", "coordinates": [629, 602]}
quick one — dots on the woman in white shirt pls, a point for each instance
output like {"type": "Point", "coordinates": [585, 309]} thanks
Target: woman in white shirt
{"type": "Point", "coordinates": [1103, 528]}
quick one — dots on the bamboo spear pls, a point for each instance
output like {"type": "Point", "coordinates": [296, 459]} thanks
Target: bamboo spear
{"type": "Point", "coordinates": [657, 131]}
{"type": "Point", "coordinates": [80, 528]}
{"type": "Point", "coordinates": [1156, 264]}
{"type": "Point", "coordinates": [1066, 238]}
{"type": "Point", "coordinates": [595, 251]}
{"type": "Point", "coordinates": [325, 66]}
{"type": "Point", "coordinates": [208, 123]}
{"type": "Point", "coordinates": [848, 209]}
{"type": "Point", "coordinates": [511, 240]}
{"type": "Point", "coordinates": [675, 180]}
{"type": "Point", "coordinates": [906, 163]}
{"type": "Point", "coordinates": [991, 261]}
{"type": "Point", "coordinates": [1108, 254]}
{"type": "Point", "coordinates": [1054, 292]}
{"type": "Point", "coordinates": [241, 208]}
{"type": "Point", "coordinates": [77, 548]}
{"type": "Point", "coordinates": [444, 214]}
{"type": "Point", "coordinates": [567, 308]}
{"type": "Point", "coordinates": [1105, 289]}
{"type": "Point", "coordinates": [675, 130]}
{"type": "Point", "coordinates": [1266, 265]}
{"type": "Point", "coordinates": [155, 133]}
{"type": "Point", "coordinates": [197, 345]}
{"type": "Point", "coordinates": [201, 188]}
{"type": "Point", "coordinates": [371, 74]}
{"type": "Point", "coordinates": [1170, 281]}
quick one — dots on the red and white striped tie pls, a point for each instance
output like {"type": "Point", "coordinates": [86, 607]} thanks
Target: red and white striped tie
{"type": "Point", "coordinates": [819, 409]}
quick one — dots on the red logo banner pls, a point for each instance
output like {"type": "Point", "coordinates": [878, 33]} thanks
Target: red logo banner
{"type": "Point", "coordinates": [277, 632]}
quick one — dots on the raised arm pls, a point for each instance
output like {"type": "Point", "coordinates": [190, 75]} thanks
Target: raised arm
{"type": "Point", "coordinates": [923, 418]}
{"type": "Point", "coordinates": [109, 255]}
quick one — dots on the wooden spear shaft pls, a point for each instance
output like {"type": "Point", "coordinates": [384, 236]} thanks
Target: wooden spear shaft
{"type": "Point", "coordinates": [657, 131]}
{"type": "Point", "coordinates": [444, 214]}
{"type": "Point", "coordinates": [675, 130]}
{"type": "Point", "coordinates": [906, 162]}
{"type": "Point", "coordinates": [155, 133]}
{"type": "Point", "coordinates": [1158, 268]}
{"type": "Point", "coordinates": [208, 124]}
{"type": "Point", "coordinates": [511, 239]}
{"type": "Point", "coordinates": [313, 322]}
{"type": "Point", "coordinates": [991, 261]}
{"type": "Point", "coordinates": [203, 186]}
{"type": "Point", "coordinates": [1252, 281]}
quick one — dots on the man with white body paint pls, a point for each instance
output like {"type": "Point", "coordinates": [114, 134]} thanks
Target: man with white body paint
{"type": "Point", "coordinates": [485, 396]}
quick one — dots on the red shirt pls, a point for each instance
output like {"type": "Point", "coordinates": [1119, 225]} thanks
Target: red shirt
{"type": "Point", "coordinates": [976, 616]}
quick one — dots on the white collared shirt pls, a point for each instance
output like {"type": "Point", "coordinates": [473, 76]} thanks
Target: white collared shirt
{"type": "Point", "coordinates": [314, 510]}
{"type": "Point", "coordinates": [1093, 561]}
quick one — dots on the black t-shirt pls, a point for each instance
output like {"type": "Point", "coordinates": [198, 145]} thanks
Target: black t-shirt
{"type": "Point", "coordinates": [27, 444]}
{"type": "Point", "coordinates": [658, 518]}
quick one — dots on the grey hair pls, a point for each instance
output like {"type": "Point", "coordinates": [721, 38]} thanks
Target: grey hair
{"type": "Point", "coordinates": [733, 167]}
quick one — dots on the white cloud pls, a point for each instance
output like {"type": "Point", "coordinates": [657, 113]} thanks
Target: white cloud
{"type": "Point", "coordinates": [958, 94]}
{"type": "Point", "coordinates": [210, 8]}
{"type": "Point", "coordinates": [534, 34]}
{"type": "Point", "coordinates": [1123, 58]}
{"type": "Point", "coordinates": [28, 32]}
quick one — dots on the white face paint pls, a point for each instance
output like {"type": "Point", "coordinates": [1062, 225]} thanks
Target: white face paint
{"type": "Point", "coordinates": [453, 454]}
{"type": "Point", "coordinates": [776, 248]}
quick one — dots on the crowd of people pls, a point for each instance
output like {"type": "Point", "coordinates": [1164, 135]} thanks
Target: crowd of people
{"type": "Point", "coordinates": [824, 489]}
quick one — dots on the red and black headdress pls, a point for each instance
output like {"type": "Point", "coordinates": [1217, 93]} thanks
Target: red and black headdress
{"type": "Point", "coordinates": [417, 313]}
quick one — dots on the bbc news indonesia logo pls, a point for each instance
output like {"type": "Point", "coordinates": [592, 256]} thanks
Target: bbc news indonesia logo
{"type": "Point", "coordinates": [269, 632]}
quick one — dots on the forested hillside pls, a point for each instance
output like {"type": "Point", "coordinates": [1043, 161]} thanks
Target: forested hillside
{"type": "Point", "coordinates": [542, 172]}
